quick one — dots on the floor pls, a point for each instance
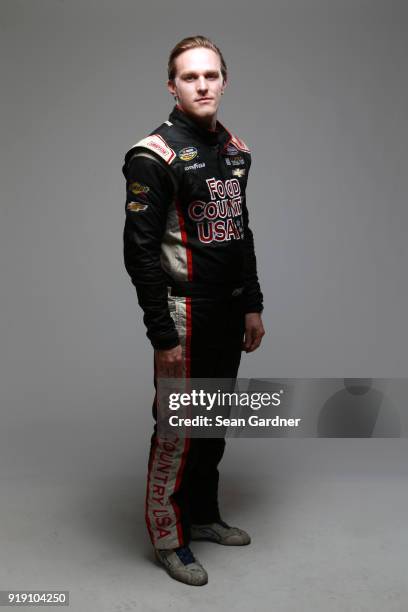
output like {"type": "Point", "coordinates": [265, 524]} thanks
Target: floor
{"type": "Point", "coordinates": [327, 520]}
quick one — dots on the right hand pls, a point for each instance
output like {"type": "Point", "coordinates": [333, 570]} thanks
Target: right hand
{"type": "Point", "coordinates": [169, 363]}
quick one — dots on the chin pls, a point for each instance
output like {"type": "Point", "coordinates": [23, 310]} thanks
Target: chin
{"type": "Point", "coordinates": [207, 111]}
{"type": "Point", "coordinates": [201, 113]}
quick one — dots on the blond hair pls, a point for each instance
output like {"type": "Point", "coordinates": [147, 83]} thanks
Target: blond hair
{"type": "Point", "coordinates": [193, 42]}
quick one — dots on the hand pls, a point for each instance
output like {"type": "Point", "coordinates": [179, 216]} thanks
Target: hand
{"type": "Point", "coordinates": [169, 363]}
{"type": "Point", "coordinates": [254, 331]}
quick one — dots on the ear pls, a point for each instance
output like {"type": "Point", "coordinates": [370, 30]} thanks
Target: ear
{"type": "Point", "coordinates": [224, 85]}
{"type": "Point", "coordinates": [171, 87]}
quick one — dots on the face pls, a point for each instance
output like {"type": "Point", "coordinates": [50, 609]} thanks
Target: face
{"type": "Point", "coordinates": [198, 83]}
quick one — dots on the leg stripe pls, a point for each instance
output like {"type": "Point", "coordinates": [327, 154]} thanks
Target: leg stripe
{"type": "Point", "coordinates": [168, 461]}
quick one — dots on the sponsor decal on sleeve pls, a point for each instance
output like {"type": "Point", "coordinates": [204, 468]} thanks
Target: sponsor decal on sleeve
{"type": "Point", "coordinates": [235, 160]}
{"type": "Point", "coordinates": [137, 188]}
{"type": "Point", "coordinates": [157, 144]}
{"type": "Point", "coordinates": [231, 150]}
{"type": "Point", "coordinates": [136, 206]}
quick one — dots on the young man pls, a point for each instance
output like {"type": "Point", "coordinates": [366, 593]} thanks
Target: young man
{"type": "Point", "coordinates": [190, 254]}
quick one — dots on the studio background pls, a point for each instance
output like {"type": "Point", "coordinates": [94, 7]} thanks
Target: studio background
{"type": "Point", "coordinates": [318, 91]}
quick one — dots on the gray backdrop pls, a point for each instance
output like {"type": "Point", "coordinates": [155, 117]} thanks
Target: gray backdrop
{"type": "Point", "coordinates": [318, 90]}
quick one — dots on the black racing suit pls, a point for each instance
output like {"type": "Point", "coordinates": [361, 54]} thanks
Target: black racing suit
{"type": "Point", "coordinates": [190, 254]}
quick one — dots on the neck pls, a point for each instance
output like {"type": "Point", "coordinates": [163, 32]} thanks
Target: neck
{"type": "Point", "coordinates": [208, 123]}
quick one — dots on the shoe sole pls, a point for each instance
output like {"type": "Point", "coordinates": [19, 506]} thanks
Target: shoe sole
{"type": "Point", "coordinates": [203, 539]}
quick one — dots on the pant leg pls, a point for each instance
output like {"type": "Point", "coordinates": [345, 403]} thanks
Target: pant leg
{"type": "Point", "coordinates": [217, 356]}
{"type": "Point", "coordinates": [171, 457]}
{"type": "Point", "coordinates": [182, 484]}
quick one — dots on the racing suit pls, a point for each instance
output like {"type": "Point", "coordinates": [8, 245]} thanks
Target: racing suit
{"type": "Point", "coordinates": [190, 254]}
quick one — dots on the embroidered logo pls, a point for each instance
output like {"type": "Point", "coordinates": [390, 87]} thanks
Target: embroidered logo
{"type": "Point", "coordinates": [195, 166]}
{"type": "Point", "coordinates": [188, 153]}
{"type": "Point", "coordinates": [157, 144]}
{"type": "Point", "coordinates": [137, 188]}
{"type": "Point", "coordinates": [136, 207]}
{"type": "Point", "coordinates": [231, 150]}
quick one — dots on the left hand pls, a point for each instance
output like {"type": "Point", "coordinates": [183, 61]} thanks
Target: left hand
{"type": "Point", "coordinates": [254, 331]}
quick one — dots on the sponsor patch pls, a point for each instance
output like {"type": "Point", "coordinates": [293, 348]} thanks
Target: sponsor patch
{"type": "Point", "coordinates": [231, 150]}
{"type": "Point", "coordinates": [238, 172]}
{"type": "Point", "coordinates": [220, 218]}
{"type": "Point", "coordinates": [236, 160]}
{"type": "Point", "coordinates": [137, 188]}
{"type": "Point", "coordinates": [195, 166]}
{"type": "Point", "coordinates": [157, 144]}
{"type": "Point", "coordinates": [136, 207]}
{"type": "Point", "coordinates": [188, 153]}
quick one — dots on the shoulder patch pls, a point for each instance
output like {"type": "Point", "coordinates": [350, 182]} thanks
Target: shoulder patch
{"type": "Point", "coordinates": [158, 145]}
{"type": "Point", "coordinates": [239, 144]}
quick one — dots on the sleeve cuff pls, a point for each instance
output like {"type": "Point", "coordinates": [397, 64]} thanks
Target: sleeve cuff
{"type": "Point", "coordinates": [166, 343]}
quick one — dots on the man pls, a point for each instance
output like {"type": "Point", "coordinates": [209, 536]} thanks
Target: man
{"type": "Point", "coordinates": [190, 254]}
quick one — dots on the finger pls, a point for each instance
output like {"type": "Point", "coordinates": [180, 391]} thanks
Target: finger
{"type": "Point", "coordinates": [171, 370]}
{"type": "Point", "coordinates": [256, 341]}
{"type": "Point", "coordinates": [179, 369]}
{"type": "Point", "coordinates": [159, 367]}
{"type": "Point", "coordinates": [165, 370]}
{"type": "Point", "coordinates": [176, 369]}
{"type": "Point", "coordinates": [247, 339]}
{"type": "Point", "coordinates": [252, 335]}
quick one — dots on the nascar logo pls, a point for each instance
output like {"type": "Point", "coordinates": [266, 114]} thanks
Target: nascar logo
{"type": "Point", "coordinates": [188, 153]}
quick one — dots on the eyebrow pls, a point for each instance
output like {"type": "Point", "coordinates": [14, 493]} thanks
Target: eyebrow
{"type": "Point", "coordinates": [193, 73]}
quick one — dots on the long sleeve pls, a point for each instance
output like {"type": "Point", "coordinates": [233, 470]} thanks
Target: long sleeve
{"type": "Point", "coordinates": [149, 191]}
{"type": "Point", "coordinates": [252, 290]}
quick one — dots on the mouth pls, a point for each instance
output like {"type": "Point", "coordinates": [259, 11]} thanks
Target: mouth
{"type": "Point", "coordinates": [204, 100]}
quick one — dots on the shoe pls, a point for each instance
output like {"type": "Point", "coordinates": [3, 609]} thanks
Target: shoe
{"type": "Point", "coordinates": [221, 533]}
{"type": "Point", "coordinates": [181, 565]}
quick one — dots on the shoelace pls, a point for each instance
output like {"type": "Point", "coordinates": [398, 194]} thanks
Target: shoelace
{"type": "Point", "coordinates": [223, 524]}
{"type": "Point", "coordinates": [185, 555]}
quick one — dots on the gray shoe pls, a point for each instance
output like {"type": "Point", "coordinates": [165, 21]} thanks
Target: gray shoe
{"type": "Point", "coordinates": [221, 533]}
{"type": "Point", "coordinates": [181, 565]}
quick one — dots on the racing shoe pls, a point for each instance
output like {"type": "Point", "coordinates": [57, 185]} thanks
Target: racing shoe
{"type": "Point", "coordinates": [221, 533]}
{"type": "Point", "coordinates": [181, 565]}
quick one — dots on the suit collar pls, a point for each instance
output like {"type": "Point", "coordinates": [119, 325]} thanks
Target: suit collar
{"type": "Point", "coordinates": [219, 136]}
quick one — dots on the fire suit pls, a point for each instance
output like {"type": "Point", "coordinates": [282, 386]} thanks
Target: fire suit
{"type": "Point", "coordinates": [190, 254]}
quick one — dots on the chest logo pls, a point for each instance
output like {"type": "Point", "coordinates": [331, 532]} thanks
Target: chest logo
{"type": "Point", "coordinates": [195, 166]}
{"type": "Point", "coordinates": [188, 153]}
{"type": "Point", "coordinates": [240, 172]}
{"type": "Point", "coordinates": [220, 218]}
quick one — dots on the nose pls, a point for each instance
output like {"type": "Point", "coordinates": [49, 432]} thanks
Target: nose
{"type": "Point", "coordinates": [202, 85]}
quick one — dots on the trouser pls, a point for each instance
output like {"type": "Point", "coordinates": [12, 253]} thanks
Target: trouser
{"type": "Point", "coordinates": [182, 483]}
